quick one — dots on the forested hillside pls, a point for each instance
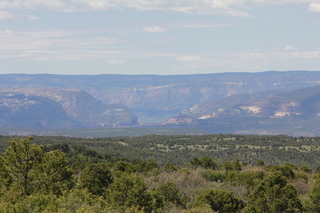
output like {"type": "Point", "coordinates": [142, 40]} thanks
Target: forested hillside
{"type": "Point", "coordinates": [179, 149]}
{"type": "Point", "coordinates": [72, 177]}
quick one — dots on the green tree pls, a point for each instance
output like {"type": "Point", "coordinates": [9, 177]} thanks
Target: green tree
{"type": "Point", "coordinates": [123, 167]}
{"type": "Point", "coordinates": [195, 163]}
{"type": "Point", "coordinates": [148, 166]}
{"type": "Point", "coordinates": [312, 203]}
{"type": "Point", "coordinates": [260, 163]}
{"type": "Point", "coordinates": [96, 178]}
{"type": "Point", "coordinates": [306, 169]}
{"type": "Point", "coordinates": [317, 171]}
{"type": "Point", "coordinates": [236, 166]}
{"type": "Point", "coordinates": [273, 195]}
{"type": "Point", "coordinates": [171, 194]}
{"type": "Point", "coordinates": [129, 190]}
{"type": "Point", "coordinates": [26, 168]}
{"type": "Point", "coordinates": [285, 170]}
{"type": "Point", "coordinates": [169, 167]}
{"type": "Point", "coordinates": [227, 166]}
{"type": "Point", "coordinates": [207, 163]}
{"type": "Point", "coordinates": [220, 201]}
{"type": "Point", "coordinates": [54, 174]}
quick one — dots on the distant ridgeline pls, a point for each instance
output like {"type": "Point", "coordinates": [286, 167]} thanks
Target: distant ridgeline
{"type": "Point", "coordinates": [266, 103]}
{"type": "Point", "coordinates": [54, 108]}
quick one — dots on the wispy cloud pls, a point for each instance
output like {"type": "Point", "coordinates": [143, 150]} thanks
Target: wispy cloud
{"type": "Point", "coordinates": [220, 7]}
{"type": "Point", "coordinates": [154, 29]}
{"type": "Point", "coordinates": [246, 61]}
{"type": "Point", "coordinates": [32, 17]}
{"type": "Point", "coordinates": [314, 7]}
{"type": "Point", "coordinates": [202, 25]}
{"type": "Point", "coordinates": [190, 58]}
{"type": "Point", "coordinates": [55, 45]}
{"type": "Point", "coordinates": [289, 47]}
{"type": "Point", "coordinates": [5, 15]}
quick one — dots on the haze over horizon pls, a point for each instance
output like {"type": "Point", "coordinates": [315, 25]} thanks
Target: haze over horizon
{"type": "Point", "coordinates": [158, 37]}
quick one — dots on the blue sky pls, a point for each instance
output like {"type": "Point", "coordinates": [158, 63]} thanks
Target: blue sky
{"type": "Point", "coordinates": [161, 37]}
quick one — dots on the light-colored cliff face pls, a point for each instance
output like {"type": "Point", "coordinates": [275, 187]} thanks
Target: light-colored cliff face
{"type": "Point", "coordinates": [288, 112]}
{"type": "Point", "coordinates": [157, 97]}
{"type": "Point", "coordinates": [59, 108]}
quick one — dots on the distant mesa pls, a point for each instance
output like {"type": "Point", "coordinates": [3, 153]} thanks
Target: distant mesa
{"type": "Point", "coordinates": [53, 108]}
{"type": "Point", "coordinates": [295, 112]}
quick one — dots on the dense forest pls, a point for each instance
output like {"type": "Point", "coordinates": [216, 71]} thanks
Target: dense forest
{"type": "Point", "coordinates": [62, 174]}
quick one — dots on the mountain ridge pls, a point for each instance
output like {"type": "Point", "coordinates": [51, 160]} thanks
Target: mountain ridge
{"type": "Point", "coordinates": [294, 113]}
{"type": "Point", "coordinates": [59, 108]}
{"type": "Point", "coordinates": [155, 98]}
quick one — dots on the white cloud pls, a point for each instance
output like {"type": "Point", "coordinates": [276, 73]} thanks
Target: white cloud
{"type": "Point", "coordinates": [206, 25]}
{"type": "Point", "coordinates": [154, 29]}
{"type": "Point", "coordinates": [4, 15]}
{"type": "Point", "coordinates": [252, 61]}
{"type": "Point", "coordinates": [32, 17]}
{"type": "Point", "coordinates": [289, 47]}
{"type": "Point", "coordinates": [220, 7]}
{"type": "Point", "coordinates": [114, 61]}
{"type": "Point", "coordinates": [55, 45]}
{"type": "Point", "coordinates": [188, 58]}
{"type": "Point", "coordinates": [314, 7]}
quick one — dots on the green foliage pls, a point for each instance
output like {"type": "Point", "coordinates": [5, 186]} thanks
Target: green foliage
{"type": "Point", "coordinates": [54, 174]}
{"type": "Point", "coordinates": [169, 167]}
{"type": "Point", "coordinates": [317, 171]}
{"type": "Point", "coordinates": [34, 178]}
{"type": "Point", "coordinates": [220, 201]}
{"type": "Point", "coordinates": [236, 166]}
{"type": "Point", "coordinates": [312, 203]}
{"type": "Point", "coordinates": [274, 195]}
{"type": "Point", "coordinates": [207, 163]}
{"type": "Point", "coordinates": [148, 166]}
{"type": "Point", "coordinates": [129, 190]}
{"type": "Point", "coordinates": [96, 178]}
{"type": "Point", "coordinates": [124, 167]}
{"type": "Point", "coordinates": [26, 168]}
{"type": "Point", "coordinates": [285, 170]}
{"type": "Point", "coordinates": [171, 194]}
{"type": "Point", "coordinates": [195, 162]}
{"type": "Point", "coordinates": [227, 166]}
{"type": "Point", "coordinates": [248, 179]}
{"type": "Point", "coordinates": [260, 163]}
{"type": "Point", "coordinates": [306, 169]}
{"type": "Point", "coordinates": [214, 176]}
{"type": "Point", "coordinates": [180, 149]}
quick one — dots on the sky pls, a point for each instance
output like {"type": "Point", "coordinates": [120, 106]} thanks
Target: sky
{"type": "Point", "coordinates": [163, 37]}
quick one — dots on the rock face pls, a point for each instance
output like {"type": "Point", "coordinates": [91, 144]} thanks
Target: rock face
{"type": "Point", "coordinates": [295, 113]}
{"type": "Point", "coordinates": [157, 98]}
{"type": "Point", "coordinates": [59, 108]}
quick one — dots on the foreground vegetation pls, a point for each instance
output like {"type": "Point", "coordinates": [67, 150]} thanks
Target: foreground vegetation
{"type": "Point", "coordinates": [63, 177]}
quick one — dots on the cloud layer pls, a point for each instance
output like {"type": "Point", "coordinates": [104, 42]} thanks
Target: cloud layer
{"type": "Point", "coordinates": [222, 7]}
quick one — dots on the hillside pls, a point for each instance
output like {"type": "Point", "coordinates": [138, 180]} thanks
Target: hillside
{"type": "Point", "coordinates": [294, 112]}
{"type": "Point", "coordinates": [59, 108]}
{"type": "Point", "coordinates": [156, 98]}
